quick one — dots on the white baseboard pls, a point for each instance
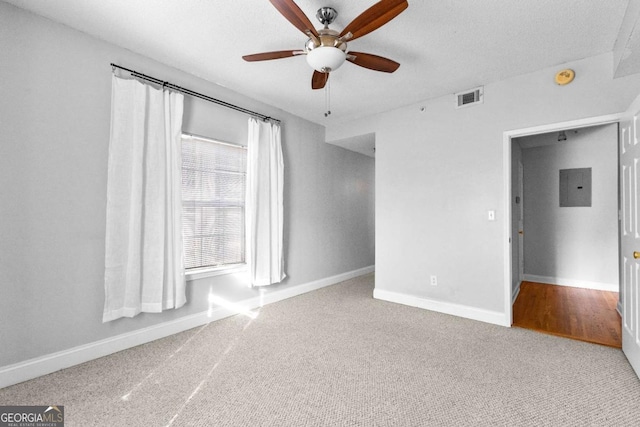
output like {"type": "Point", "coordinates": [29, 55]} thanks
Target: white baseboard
{"type": "Point", "coordinates": [515, 293]}
{"type": "Point", "coordinates": [599, 286]}
{"type": "Point", "coordinates": [33, 368]}
{"type": "Point", "coordinates": [619, 307]}
{"type": "Point", "coordinates": [473, 313]}
{"type": "Point", "coordinates": [312, 286]}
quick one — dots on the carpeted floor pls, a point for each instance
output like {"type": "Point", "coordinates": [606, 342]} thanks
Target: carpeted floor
{"type": "Point", "coordinates": [337, 357]}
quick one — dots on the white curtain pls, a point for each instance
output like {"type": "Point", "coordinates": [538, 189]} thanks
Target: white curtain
{"type": "Point", "coordinates": [143, 252]}
{"type": "Point", "coordinates": [264, 204]}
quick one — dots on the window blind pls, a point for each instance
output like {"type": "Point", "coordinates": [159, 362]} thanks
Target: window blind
{"type": "Point", "coordinates": [213, 202]}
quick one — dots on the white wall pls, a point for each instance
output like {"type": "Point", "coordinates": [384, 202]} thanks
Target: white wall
{"type": "Point", "coordinates": [572, 245]}
{"type": "Point", "coordinates": [55, 112]}
{"type": "Point", "coordinates": [438, 171]}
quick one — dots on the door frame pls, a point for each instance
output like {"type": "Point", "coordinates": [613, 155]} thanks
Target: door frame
{"type": "Point", "coordinates": [507, 137]}
{"type": "Point", "coordinates": [520, 225]}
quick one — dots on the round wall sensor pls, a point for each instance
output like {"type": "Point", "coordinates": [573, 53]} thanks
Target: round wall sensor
{"type": "Point", "coordinates": [565, 77]}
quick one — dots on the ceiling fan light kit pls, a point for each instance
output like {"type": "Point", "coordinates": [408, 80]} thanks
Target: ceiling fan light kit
{"type": "Point", "coordinates": [326, 49]}
{"type": "Point", "coordinates": [326, 58]}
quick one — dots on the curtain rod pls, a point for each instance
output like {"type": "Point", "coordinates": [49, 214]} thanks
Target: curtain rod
{"type": "Point", "coordinates": [195, 94]}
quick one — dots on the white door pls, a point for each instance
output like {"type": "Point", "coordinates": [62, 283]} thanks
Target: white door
{"type": "Point", "coordinates": [630, 234]}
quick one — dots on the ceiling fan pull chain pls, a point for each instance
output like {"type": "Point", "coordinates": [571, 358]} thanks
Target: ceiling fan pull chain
{"type": "Point", "coordinates": [327, 98]}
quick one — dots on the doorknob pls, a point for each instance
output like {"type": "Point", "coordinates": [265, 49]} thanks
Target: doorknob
{"type": "Point", "coordinates": [520, 232]}
{"type": "Point", "coordinates": [636, 254]}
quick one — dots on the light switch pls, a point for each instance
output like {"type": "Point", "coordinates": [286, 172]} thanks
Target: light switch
{"type": "Point", "coordinates": [491, 215]}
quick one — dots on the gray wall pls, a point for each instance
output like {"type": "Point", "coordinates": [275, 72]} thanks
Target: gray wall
{"type": "Point", "coordinates": [55, 111]}
{"type": "Point", "coordinates": [572, 243]}
{"type": "Point", "coordinates": [438, 171]}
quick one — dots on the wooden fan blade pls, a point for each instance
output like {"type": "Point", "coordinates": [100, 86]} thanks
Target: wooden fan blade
{"type": "Point", "coordinates": [374, 17]}
{"type": "Point", "coordinates": [373, 62]}
{"type": "Point", "coordinates": [319, 80]}
{"type": "Point", "coordinates": [295, 15]}
{"type": "Point", "coordinates": [264, 56]}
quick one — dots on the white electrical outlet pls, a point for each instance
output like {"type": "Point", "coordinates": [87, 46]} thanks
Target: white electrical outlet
{"type": "Point", "coordinates": [434, 281]}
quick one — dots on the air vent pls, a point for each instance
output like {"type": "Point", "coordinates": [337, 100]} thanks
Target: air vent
{"type": "Point", "coordinates": [470, 97]}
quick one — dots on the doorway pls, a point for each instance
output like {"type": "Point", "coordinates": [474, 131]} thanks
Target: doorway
{"type": "Point", "coordinates": [567, 225]}
{"type": "Point", "coordinates": [515, 269]}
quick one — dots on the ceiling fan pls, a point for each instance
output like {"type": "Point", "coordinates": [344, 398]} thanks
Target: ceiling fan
{"type": "Point", "coordinates": [326, 49]}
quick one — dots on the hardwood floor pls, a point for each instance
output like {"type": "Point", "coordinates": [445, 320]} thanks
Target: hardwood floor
{"type": "Point", "coordinates": [577, 313]}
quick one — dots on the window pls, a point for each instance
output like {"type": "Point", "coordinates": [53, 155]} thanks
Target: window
{"type": "Point", "coordinates": [213, 203]}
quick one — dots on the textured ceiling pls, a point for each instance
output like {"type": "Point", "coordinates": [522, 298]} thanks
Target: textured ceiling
{"type": "Point", "coordinates": [443, 46]}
